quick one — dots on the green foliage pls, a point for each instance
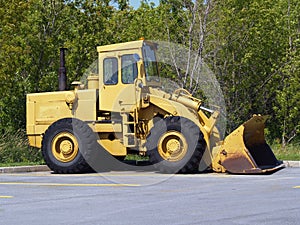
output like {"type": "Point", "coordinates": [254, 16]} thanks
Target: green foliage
{"type": "Point", "coordinates": [14, 149]}
{"type": "Point", "coordinates": [251, 46]}
{"type": "Point", "coordinates": [252, 63]}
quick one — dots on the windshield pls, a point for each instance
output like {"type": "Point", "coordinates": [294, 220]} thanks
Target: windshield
{"type": "Point", "coordinates": [150, 63]}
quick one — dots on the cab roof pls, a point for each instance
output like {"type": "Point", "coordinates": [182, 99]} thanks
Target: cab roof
{"type": "Point", "coordinates": [121, 46]}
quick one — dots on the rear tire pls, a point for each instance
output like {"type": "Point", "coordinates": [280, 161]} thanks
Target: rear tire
{"type": "Point", "coordinates": [63, 143]}
{"type": "Point", "coordinates": [175, 144]}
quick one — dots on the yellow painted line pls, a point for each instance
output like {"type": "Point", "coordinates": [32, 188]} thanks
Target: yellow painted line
{"type": "Point", "coordinates": [297, 187]}
{"type": "Point", "coordinates": [6, 196]}
{"type": "Point", "coordinates": [69, 185]}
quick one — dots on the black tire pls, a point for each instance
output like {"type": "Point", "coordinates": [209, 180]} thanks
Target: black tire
{"type": "Point", "coordinates": [187, 139]}
{"type": "Point", "coordinates": [67, 144]}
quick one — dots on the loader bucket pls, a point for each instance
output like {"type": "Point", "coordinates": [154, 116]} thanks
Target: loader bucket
{"type": "Point", "coordinates": [245, 150]}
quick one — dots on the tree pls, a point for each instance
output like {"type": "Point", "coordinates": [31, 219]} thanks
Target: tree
{"type": "Point", "coordinates": [287, 102]}
{"type": "Point", "coordinates": [252, 44]}
{"type": "Point", "coordinates": [14, 62]}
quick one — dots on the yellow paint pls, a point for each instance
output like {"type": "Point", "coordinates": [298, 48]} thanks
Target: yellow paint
{"type": "Point", "coordinates": [172, 146]}
{"type": "Point", "coordinates": [234, 153]}
{"type": "Point", "coordinates": [6, 196]}
{"type": "Point", "coordinates": [65, 147]}
{"type": "Point", "coordinates": [68, 185]}
{"type": "Point", "coordinates": [297, 187]}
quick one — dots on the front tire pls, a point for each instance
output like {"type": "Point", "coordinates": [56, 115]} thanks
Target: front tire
{"type": "Point", "coordinates": [63, 144]}
{"type": "Point", "coordinates": [175, 144]}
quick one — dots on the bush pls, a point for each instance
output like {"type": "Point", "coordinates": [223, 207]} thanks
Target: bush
{"type": "Point", "coordinates": [14, 148]}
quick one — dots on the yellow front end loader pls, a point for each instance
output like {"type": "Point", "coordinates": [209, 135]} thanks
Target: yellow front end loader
{"type": "Point", "coordinates": [123, 110]}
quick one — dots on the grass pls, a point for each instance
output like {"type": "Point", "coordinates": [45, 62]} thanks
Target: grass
{"type": "Point", "coordinates": [136, 157]}
{"type": "Point", "coordinates": [14, 150]}
{"type": "Point", "coordinates": [290, 152]}
{"type": "Point", "coordinates": [21, 164]}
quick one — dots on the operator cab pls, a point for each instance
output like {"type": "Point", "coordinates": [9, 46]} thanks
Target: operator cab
{"type": "Point", "coordinates": [122, 69]}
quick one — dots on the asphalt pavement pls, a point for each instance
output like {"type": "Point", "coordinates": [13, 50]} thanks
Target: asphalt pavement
{"type": "Point", "coordinates": [135, 198]}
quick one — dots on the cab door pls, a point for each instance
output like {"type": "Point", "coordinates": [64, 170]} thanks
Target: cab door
{"type": "Point", "coordinates": [117, 81]}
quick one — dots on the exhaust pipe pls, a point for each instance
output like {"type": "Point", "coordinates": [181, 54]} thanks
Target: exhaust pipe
{"type": "Point", "coordinates": [62, 74]}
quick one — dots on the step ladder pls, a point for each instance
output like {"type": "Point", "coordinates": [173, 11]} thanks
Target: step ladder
{"type": "Point", "coordinates": [129, 138]}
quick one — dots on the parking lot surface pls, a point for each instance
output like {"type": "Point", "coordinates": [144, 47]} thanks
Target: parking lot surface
{"type": "Point", "coordinates": [150, 198]}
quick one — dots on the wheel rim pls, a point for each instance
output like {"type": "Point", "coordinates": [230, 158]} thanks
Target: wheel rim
{"type": "Point", "coordinates": [64, 147]}
{"type": "Point", "coordinates": [172, 146]}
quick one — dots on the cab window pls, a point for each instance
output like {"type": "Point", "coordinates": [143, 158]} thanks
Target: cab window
{"type": "Point", "coordinates": [129, 69]}
{"type": "Point", "coordinates": [110, 71]}
{"type": "Point", "coordinates": [150, 62]}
